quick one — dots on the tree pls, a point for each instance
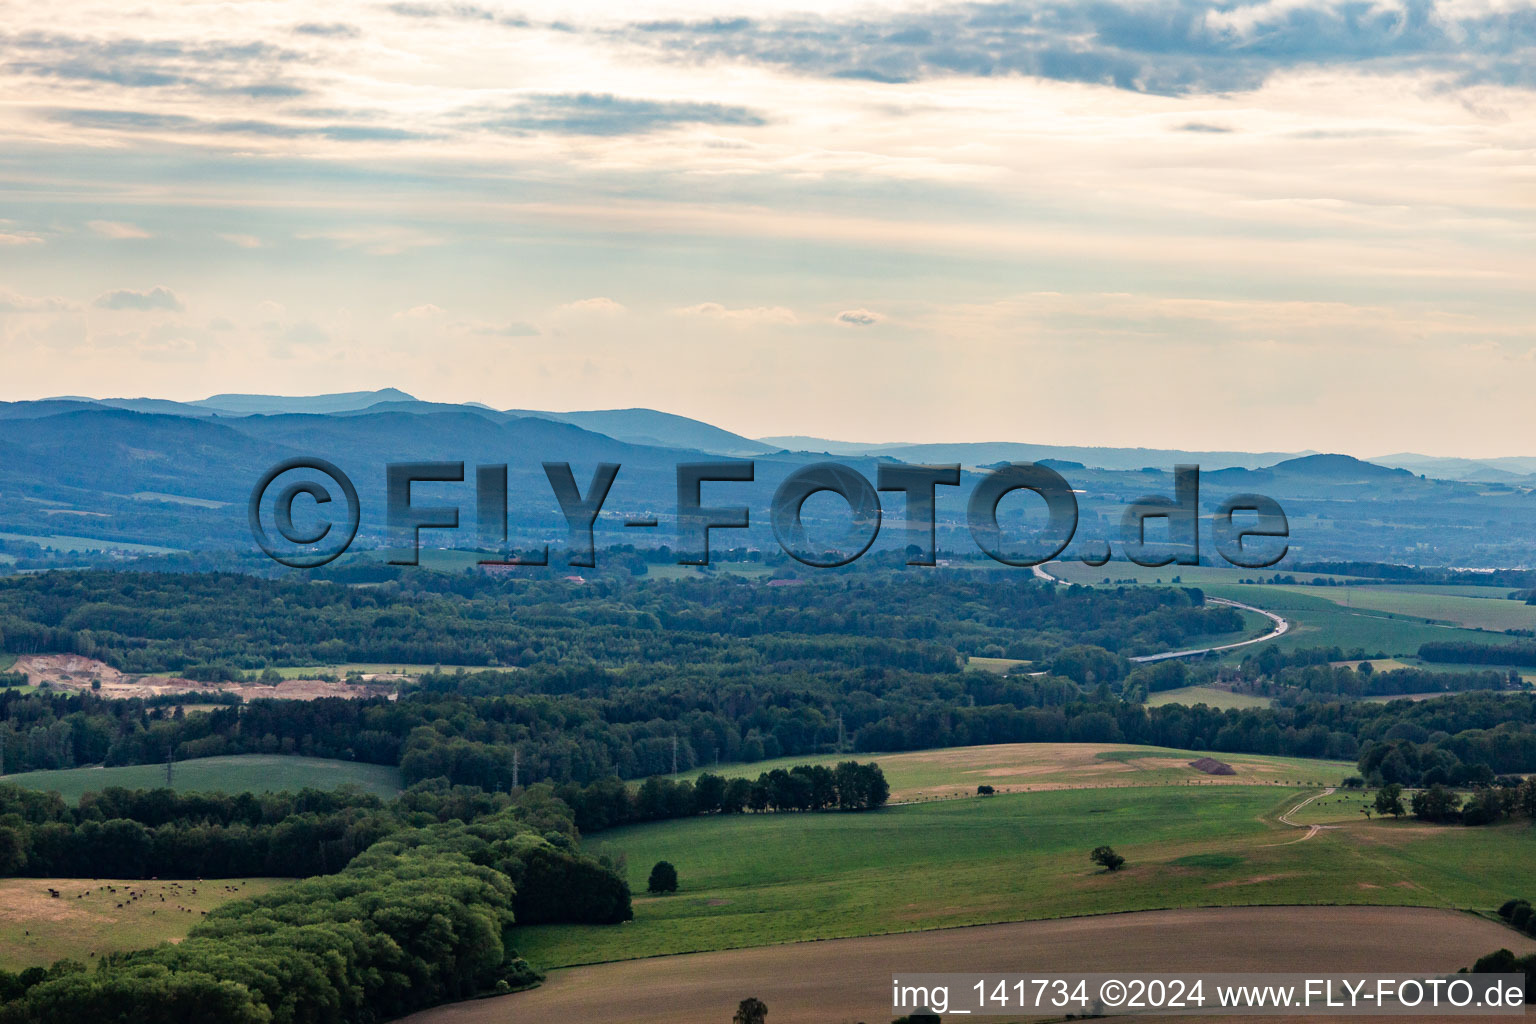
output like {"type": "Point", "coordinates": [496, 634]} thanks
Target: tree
{"type": "Point", "coordinates": [1527, 798]}
{"type": "Point", "coordinates": [1437, 803]}
{"type": "Point", "coordinates": [1485, 808]}
{"type": "Point", "coordinates": [1389, 800]}
{"type": "Point", "coordinates": [1106, 856]}
{"type": "Point", "coordinates": [984, 790]}
{"type": "Point", "coordinates": [663, 878]}
{"type": "Point", "coordinates": [751, 1011]}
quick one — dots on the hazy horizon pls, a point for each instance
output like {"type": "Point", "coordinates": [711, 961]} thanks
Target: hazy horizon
{"type": "Point", "coordinates": [898, 441]}
{"type": "Point", "coordinates": [1266, 226]}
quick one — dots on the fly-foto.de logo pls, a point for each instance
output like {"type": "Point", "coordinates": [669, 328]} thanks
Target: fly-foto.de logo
{"type": "Point", "coordinates": [1249, 530]}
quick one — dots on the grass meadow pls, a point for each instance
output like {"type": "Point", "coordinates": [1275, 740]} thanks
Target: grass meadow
{"type": "Point", "coordinates": [258, 773]}
{"type": "Point", "coordinates": [1209, 695]}
{"type": "Point", "coordinates": [85, 922]}
{"type": "Point", "coordinates": [760, 879]}
{"type": "Point", "coordinates": [1387, 618]}
{"type": "Point", "coordinates": [1025, 767]}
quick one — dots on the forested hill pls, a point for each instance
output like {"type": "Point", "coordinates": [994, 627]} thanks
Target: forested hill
{"type": "Point", "coordinates": [613, 673]}
{"type": "Point", "coordinates": [146, 622]}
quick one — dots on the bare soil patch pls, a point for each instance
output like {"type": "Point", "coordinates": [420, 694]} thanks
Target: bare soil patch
{"type": "Point", "coordinates": [1211, 766]}
{"type": "Point", "coordinates": [846, 980]}
{"type": "Point", "coordinates": [73, 673]}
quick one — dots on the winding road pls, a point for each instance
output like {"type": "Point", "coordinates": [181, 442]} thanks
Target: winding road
{"type": "Point", "coordinates": [1281, 627]}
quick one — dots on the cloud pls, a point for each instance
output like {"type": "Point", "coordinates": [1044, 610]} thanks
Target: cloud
{"type": "Point", "coordinates": [419, 312]}
{"type": "Point", "coordinates": [515, 329]}
{"type": "Point", "coordinates": [1201, 126]}
{"type": "Point", "coordinates": [600, 304]}
{"type": "Point", "coordinates": [603, 114]}
{"type": "Point", "coordinates": [456, 12]}
{"type": "Point", "coordinates": [243, 241]}
{"type": "Point", "coordinates": [377, 240]}
{"type": "Point", "coordinates": [858, 318]}
{"type": "Point", "coordinates": [19, 238]}
{"type": "Point", "coordinates": [745, 315]}
{"type": "Point", "coordinates": [158, 297]}
{"type": "Point", "coordinates": [332, 29]}
{"type": "Point", "coordinates": [1156, 46]}
{"type": "Point", "coordinates": [209, 67]}
{"type": "Point", "coordinates": [305, 332]}
{"type": "Point", "coordinates": [10, 302]}
{"type": "Point", "coordinates": [133, 120]}
{"type": "Point", "coordinates": [117, 229]}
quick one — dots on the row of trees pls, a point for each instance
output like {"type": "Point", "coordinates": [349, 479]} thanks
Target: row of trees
{"type": "Point", "coordinates": [1523, 654]}
{"type": "Point", "coordinates": [849, 786]}
{"type": "Point", "coordinates": [1510, 797]}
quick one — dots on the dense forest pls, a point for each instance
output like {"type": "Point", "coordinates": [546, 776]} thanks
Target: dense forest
{"type": "Point", "coordinates": [630, 677]}
{"type": "Point", "coordinates": [580, 725]}
{"type": "Point", "coordinates": [146, 622]}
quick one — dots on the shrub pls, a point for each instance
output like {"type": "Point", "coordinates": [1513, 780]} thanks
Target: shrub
{"type": "Point", "coordinates": [1107, 856]}
{"type": "Point", "coordinates": [1509, 907]}
{"type": "Point", "coordinates": [663, 878]}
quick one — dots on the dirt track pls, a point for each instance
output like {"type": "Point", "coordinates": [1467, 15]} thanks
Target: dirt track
{"type": "Point", "coordinates": [846, 980]}
{"type": "Point", "coordinates": [1312, 830]}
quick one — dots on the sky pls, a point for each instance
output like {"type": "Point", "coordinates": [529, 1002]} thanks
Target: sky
{"type": "Point", "coordinates": [1273, 225]}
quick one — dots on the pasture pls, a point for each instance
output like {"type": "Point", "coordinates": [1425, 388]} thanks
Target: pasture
{"type": "Point", "coordinates": [1002, 666]}
{"type": "Point", "coordinates": [256, 773]}
{"type": "Point", "coordinates": [91, 918]}
{"type": "Point", "coordinates": [1210, 695]}
{"type": "Point", "coordinates": [1319, 621]}
{"type": "Point", "coordinates": [1386, 618]}
{"type": "Point", "coordinates": [1025, 767]}
{"type": "Point", "coordinates": [65, 542]}
{"type": "Point", "coordinates": [752, 880]}
{"type": "Point", "coordinates": [1440, 604]}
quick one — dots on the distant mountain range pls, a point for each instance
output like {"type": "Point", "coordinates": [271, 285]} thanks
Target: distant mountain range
{"type": "Point", "coordinates": [662, 429]}
{"type": "Point", "coordinates": [178, 474]}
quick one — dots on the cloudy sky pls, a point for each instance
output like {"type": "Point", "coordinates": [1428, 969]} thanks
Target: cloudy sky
{"type": "Point", "coordinates": [1272, 225]}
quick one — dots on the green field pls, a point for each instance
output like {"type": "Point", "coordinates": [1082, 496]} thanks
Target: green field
{"type": "Point", "coordinates": [63, 542]}
{"type": "Point", "coordinates": [6, 661]}
{"type": "Point", "coordinates": [89, 919]}
{"type": "Point", "coordinates": [177, 499]}
{"type": "Point", "coordinates": [1461, 609]}
{"type": "Point", "coordinates": [752, 880]}
{"type": "Point", "coordinates": [1317, 621]}
{"type": "Point", "coordinates": [1209, 695]}
{"type": "Point", "coordinates": [1002, 666]}
{"type": "Point", "coordinates": [1188, 575]}
{"type": "Point", "coordinates": [1385, 618]}
{"type": "Point", "coordinates": [1024, 767]}
{"type": "Point", "coordinates": [260, 773]}
{"type": "Point", "coordinates": [381, 668]}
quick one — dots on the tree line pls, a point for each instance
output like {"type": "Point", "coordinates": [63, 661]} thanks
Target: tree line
{"type": "Point", "coordinates": [849, 786]}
